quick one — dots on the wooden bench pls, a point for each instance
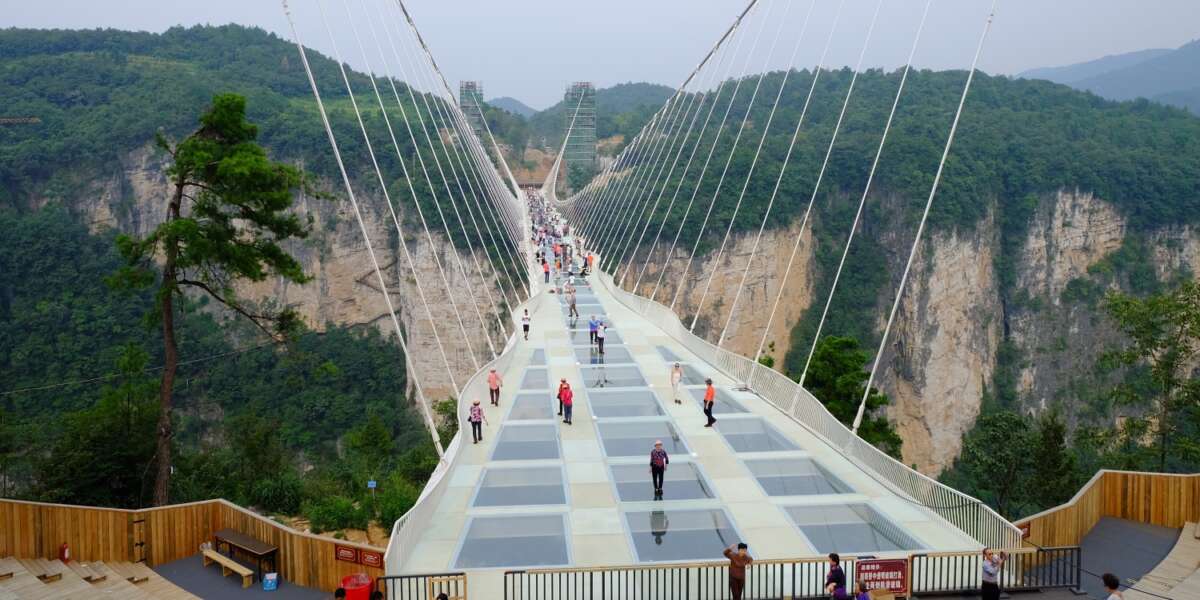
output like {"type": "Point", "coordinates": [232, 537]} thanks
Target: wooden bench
{"type": "Point", "coordinates": [228, 564]}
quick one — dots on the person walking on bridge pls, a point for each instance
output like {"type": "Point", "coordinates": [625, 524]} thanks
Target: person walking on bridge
{"type": "Point", "coordinates": [658, 468]}
{"type": "Point", "coordinates": [593, 326]}
{"type": "Point", "coordinates": [601, 333]}
{"type": "Point", "coordinates": [710, 398]}
{"type": "Point", "coordinates": [571, 310]}
{"type": "Point", "coordinates": [739, 558]}
{"type": "Point", "coordinates": [525, 324]}
{"type": "Point", "coordinates": [676, 377]}
{"type": "Point", "coordinates": [494, 383]}
{"type": "Point", "coordinates": [567, 397]}
{"type": "Point", "coordinates": [546, 269]}
{"type": "Point", "coordinates": [477, 419]}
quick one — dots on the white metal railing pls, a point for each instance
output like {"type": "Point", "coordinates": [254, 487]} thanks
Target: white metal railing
{"type": "Point", "coordinates": [969, 514]}
{"type": "Point", "coordinates": [407, 530]}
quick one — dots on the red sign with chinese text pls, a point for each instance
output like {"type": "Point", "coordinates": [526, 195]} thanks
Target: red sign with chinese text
{"type": "Point", "coordinates": [370, 559]}
{"type": "Point", "coordinates": [345, 553]}
{"type": "Point", "coordinates": [884, 574]}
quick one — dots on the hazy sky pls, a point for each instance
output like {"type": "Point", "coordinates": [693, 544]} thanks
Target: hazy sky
{"type": "Point", "coordinates": [531, 49]}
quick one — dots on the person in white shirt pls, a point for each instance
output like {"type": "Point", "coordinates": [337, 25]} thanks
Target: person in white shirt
{"type": "Point", "coordinates": [992, 563]}
{"type": "Point", "coordinates": [676, 377]}
{"type": "Point", "coordinates": [525, 323]}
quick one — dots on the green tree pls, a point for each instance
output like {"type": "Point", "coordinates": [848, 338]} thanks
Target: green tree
{"type": "Point", "coordinates": [1054, 476]}
{"type": "Point", "coordinates": [837, 377]}
{"type": "Point", "coordinates": [995, 461]}
{"type": "Point", "coordinates": [370, 445]}
{"type": "Point", "coordinates": [1163, 345]}
{"type": "Point", "coordinates": [227, 215]}
{"type": "Point", "coordinates": [105, 452]}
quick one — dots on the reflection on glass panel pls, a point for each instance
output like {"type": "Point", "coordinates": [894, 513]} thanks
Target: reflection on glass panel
{"type": "Point", "coordinates": [529, 406]}
{"type": "Point", "coordinates": [678, 534]}
{"type": "Point", "coordinates": [521, 486]}
{"type": "Point", "coordinates": [682, 481]}
{"type": "Point", "coordinates": [753, 435]}
{"type": "Point", "coordinates": [613, 354]}
{"type": "Point", "coordinates": [637, 438]}
{"type": "Point", "coordinates": [624, 403]}
{"type": "Point", "coordinates": [794, 477]}
{"type": "Point", "coordinates": [538, 357]}
{"type": "Point", "coordinates": [514, 541]}
{"type": "Point", "coordinates": [579, 335]}
{"type": "Point", "coordinates": [535, 378]}
{"type": "Point", "coordinates": [722, 404]}
{"type": "Point", "coordinates": [602, 376]}
{"type": "Point", "coordinates": [849, 528]}
{"type": "Point", "coordinates": [526, 442]}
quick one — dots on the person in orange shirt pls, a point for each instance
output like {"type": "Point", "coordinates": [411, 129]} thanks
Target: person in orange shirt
{"type": "Point", "coordinates": [710, 397]}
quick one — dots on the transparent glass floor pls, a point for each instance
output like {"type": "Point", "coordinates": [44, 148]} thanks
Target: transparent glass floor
{"type": "Point", "coordinates": [667, 354]}
{"type": "Point", "coordinates": [507, 486]}
{"type": "Point", "coordinates": [794, 477]}
{"type": "Point", "coordinates": [692, 376]}
{"type": "Point", "coordinates": [581, 297]}
{"type": "Point", "coordinates": [612, 354]}
{"type": "Point", "coordinates": [514, 541]}
{"type": "Point", "coordinates": [602, 376]}
{"type": "Point", "coordinates": [636, 438]}
{"type": "Point", "coordinates": [723, 403]}
{"type": "Point", "coordinates": [526, 442]}
{"type": "Point", "coordinates": [624, 403]}
{"type": "Point", "coordinates": [753, 434]}
{"type": "Point", "coordinates": [585, 310]}
{"type": "Point", "coordinates": [538, 358]}
{"type": "Point", "coordinates": [535, 378]}
{"type": "Point", "coordinates": [530, 406]}
{"type": "Point", "coordinates": [678, 534]}
{"type": "Point", "coordinates": [579, 335]}
{"type": "Point", "coordinates": [682, 481]}
{"type": "Point", "coordinates": [849, 528]}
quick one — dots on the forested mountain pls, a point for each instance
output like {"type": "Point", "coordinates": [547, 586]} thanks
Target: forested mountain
{"type": "Point", "coordinates": [1167, 76]}
{"type": "Point", "coordinates": [513, 106]}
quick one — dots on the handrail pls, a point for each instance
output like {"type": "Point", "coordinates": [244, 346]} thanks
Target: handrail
{"type": "Point", "coordinates": [968, 514]}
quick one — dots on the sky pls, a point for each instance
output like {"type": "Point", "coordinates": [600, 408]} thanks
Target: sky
{"type": "Point", "coordinates": [531, 49]}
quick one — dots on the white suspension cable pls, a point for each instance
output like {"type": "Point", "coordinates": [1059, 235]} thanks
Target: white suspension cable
{"type": "Point", "coordinates": [924, 217]}
{"type": "Point", "coordinates": [410, 366]}
{"type": "Point", "coordinates": [866, 190]}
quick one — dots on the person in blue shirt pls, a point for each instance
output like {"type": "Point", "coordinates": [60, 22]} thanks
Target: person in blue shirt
{"type": "Point", "coordinates": [593, 325]}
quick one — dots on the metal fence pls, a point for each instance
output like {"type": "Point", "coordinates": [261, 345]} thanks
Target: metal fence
{"type": "Point", "coordinates": [423, 587]}
{"type": "Point", "coordinates": [1023, 570]}
{"type": "Point", "coordinates": [970, 515]}
{"type": "Point", "coordinates": [802, 578]}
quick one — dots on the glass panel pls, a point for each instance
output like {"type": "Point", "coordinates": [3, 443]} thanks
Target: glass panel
{"type": "Point", "coordinates": [794, 477]}
{"type": "Point", "coordinates": [624, 403]}
{"type": "Point", "coordinates": [538, 358]}
{"type": "Point", "coordinates": [637, 438]}
{"type": "Point", "coordinates": [691, 376]}
{"type": "Point", "coordinates": [753, 435]}
{"type": "Point", "coordinates": [535, 378]}
{"type": "Point", "coordinates": [601, 376]}
{"type": "Point", "coordinates": [850, 528]}
{"type": "Point", "coordinates": [723, 404]}
{"type": "Point", "coordinates": [526, 442]}
{"type": "Point", "coordinates": [530, 406]}
{"type": "Point", "coordinates": [682, 481]}
{"type": "Point", "coordinates": [510, 541]}
{"type": "Point", "coordinates": [526, 485]}
{"type": "Point", "coordinates": [612, 354]}
{"type": "Point", "coordinates": [672, 535]}
{"type": "Point", "coordinates": [668, 354]}
{"type": "Point", "coordinates": [579, 335]}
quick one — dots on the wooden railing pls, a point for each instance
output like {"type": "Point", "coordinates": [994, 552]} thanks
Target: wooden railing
{"type": "Point", "coordinates": [1164, 499]}
{"type": "Point", "coordinates": [160, 535]}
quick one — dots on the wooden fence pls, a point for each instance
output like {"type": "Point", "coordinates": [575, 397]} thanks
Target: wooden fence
{"type": "Point", "coordinates": [1164, 499]}
{"type": "Point", "coordinates": [160, 535]}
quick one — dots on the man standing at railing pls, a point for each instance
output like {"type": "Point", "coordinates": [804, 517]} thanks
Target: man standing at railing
{"type": "Point", "coordinates": [992, 563]}
{"type": "Point", "coordinates": [739, 559]}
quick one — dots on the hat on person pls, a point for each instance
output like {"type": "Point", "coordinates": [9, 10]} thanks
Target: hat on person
{"type": "Point", "coordinates": [657, 442]}
{"type": "Point", "coordinates": [475, 402]}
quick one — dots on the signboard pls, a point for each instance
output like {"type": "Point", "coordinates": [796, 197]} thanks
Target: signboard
{"type": "Point", "coordinates": [370, 484]}
{"type": "Point", "coordinates": [345, 553]}
{"type": "Point", "coordinates": [884, 574]}
{"type": "Point", "coordinates": [1024, 527]}
{"type": "Point", "coordinates": [370, 559]}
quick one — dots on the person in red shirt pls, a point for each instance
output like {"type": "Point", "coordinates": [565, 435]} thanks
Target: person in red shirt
{"type": "Point", "coordinates": [494, 383]}
{"type": "Point", "coordinates": [567, 397]}
{"type": "Point", "coordinates": [546, 269]}
{"type": "Point", "coordinates": [739, 559]}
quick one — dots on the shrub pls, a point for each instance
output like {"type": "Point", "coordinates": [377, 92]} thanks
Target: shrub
{"type": "Point", "coordinates": [333, 513]}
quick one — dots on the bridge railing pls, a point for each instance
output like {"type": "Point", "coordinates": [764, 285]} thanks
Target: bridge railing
{"type": "Point", "coordinates": [786, 578]}
{"type": "Point", "coordinates": [968, 514]}
{"type": "Point", "coordinates": [1025, 569]}
{"type": "Point", "coordinates": [425, 586]}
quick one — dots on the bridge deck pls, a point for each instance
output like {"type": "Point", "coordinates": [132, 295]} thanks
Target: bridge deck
{"type": "Point", "coordinates": [605, 513]}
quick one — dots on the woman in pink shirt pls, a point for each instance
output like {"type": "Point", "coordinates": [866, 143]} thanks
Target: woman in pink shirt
{"type": "Point", "coordinates": [477, 419]}
{"type": "Point", "coordinates": [494, 383]}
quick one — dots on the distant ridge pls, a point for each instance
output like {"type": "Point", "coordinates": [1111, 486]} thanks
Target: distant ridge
{"type": "Point", "coordinates": [1165, 76]}
{"type": "Point", "coordinates": [513, 106]}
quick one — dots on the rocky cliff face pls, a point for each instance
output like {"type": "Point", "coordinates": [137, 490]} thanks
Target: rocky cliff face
{"type": "Point", "coordinates": [345, 289]}
{"type": "Point", "coordinates": [954, 317]}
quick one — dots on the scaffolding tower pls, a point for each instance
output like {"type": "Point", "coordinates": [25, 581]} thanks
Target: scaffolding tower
{"type": "Point", "coordinates": [580, 148]}
{"type": "Point", "coordinates": [470, 101]}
